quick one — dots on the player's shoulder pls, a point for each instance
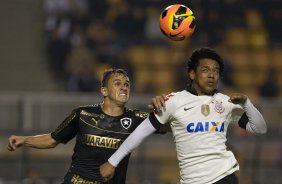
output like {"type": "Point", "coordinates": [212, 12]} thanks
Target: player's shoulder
{"type": "Point", "coordinates": [222, 96]}
{"type": "Point", "coordinates": [179, 95]}
{"type": "Point", "coordinates": [175, 95]}
{"type": "Point", "coordinates": [89, 107]}
{"type": "Point", "coordinates": [136, 113]}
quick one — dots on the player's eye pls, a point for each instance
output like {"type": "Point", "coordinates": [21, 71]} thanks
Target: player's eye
{"type": "Point", "coordinates": [117, 83]}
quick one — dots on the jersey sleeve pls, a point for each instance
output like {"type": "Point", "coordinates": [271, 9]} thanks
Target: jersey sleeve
{"type": "Point", "coordinates": [238, 115]}
{"type": "Point", "coordinates": [166, 112]}
{"type": "Point", "coordinates": [237, 112]}
{"type": "Point", "coordinates": [159, 119]}
{"type": "Point", "coordinates": [248, 118]}
{"type": "Point", "coordinates": [67, 129]}
{"type": "Point", "coordinates": [140, 116]}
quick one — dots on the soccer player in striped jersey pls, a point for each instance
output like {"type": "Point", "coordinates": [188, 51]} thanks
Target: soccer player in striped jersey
{"type": "Point", "coordinates": [99, 130]}
{"type": "Point", "coordinates": [199, 117]}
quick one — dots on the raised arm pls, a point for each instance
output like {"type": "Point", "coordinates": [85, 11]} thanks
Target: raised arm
{"type": "Point", "coordinates": [133, 140]}
{"type": "Point", "coordinates": [43, 141]}
{"type": "Point", "coordinates": [252, 120]}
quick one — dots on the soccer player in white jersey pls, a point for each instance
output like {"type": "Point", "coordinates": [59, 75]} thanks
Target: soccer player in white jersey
{"type": "Point", "coordinates": [199, 117]}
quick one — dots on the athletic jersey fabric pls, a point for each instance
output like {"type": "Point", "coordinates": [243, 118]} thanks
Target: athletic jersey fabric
{"type": "Point", "coordinates": [199, 125]}
{"type": "Point", "coordinates": [98, 136]}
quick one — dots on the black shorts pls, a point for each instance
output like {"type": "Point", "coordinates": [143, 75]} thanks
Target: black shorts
{"type": "Point", "coordinates": [71, 178]}
{"type": "Point", "coordinates": [230, 179]}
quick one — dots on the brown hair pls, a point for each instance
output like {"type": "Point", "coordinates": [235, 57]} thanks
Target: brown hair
{"type": "Point", "coordinates": [107, 74]}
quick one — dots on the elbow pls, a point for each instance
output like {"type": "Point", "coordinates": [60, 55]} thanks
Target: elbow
{"type": "Point", "coordinates": [53, 144]}
{"type": "Point", "coordinates": [262, 131]}
{"type": "Point", "coordinates": [257, 130]}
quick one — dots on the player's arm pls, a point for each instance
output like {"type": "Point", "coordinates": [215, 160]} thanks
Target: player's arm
{"type": "Point", "coordinates": [252, 120]}
{"type": "Point", "coordinates": [43, 141]}
{"type": "Point", "coordinates": [145, 129]}
{"type": "Point", "coordinates": [158, 103]}
{"type": "Point", "coordinates": [63, 133]}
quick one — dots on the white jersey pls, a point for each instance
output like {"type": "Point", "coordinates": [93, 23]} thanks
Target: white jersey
{"type": "Point", "coordinates": [199, 125]}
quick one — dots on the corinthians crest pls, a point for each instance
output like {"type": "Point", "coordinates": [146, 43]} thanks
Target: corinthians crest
{"type": "Point", "coordinates": [205, 109]}
{"type": "Point", "coordinates": [125, 122]}
{"type": "Point", "coordinates": [218, 107]}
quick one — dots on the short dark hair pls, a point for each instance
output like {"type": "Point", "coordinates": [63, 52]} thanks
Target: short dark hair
{"type": "Point", "coordinates": [204, 53]}
{"type": "Point", "coordinates": [109, 72]}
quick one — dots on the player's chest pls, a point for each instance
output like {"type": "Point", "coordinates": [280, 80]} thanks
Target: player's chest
{"type": "Point", "coordinates": [201, 115]}
{"type": "Point", "coordinates": [203, 110]}
{"type": "Point", "coordinates": [101, 124]}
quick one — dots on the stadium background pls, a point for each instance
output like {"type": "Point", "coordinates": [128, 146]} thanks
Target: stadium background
{"type": "Point", "coordinates": [53, 52]}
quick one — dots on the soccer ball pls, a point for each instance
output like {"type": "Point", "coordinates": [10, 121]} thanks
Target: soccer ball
{"type": "Point", "coordinates": [177, 22]}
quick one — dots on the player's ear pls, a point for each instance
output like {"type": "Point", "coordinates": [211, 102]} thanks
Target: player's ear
{"type": "Point", "coordinates": [104, 91]}
{"type": "Point", "coordinates": [192, 74]}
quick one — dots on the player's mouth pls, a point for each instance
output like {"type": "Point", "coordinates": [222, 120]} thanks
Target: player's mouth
{"type": "Point", "coordinates": [211, 83]}
{"type": "Point", "coordinates": [123, 94]}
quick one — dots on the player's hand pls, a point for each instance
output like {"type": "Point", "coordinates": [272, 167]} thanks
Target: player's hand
{"type": "Point", "coordinates": [107, 171]}
{"type": "Point", "coordinates": [157, 103]}
{"type": "Point", "coordinates": [15, 142]}
{"type": "Point", "coordinates": [238, 98]}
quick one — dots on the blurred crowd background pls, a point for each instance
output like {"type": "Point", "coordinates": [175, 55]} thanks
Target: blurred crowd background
{"type": "Point", "coordinates": [53, 53]}
{"type": "Point", "coordinates": [84, 37]}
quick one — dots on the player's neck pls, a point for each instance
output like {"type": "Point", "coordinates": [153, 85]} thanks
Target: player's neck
{"type": "Point", "coordinates": [199, 91]}
{"type": "Point", "coordinates": [112, 109]}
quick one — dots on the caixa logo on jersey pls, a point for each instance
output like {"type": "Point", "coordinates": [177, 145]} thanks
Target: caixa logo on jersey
{"type": "Point", "coordinates": [211, 126]}
{"type": "Point", "coordinates": [125, 122]}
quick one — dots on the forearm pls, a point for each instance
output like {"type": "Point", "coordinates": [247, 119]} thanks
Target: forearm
{"type": "Point", "coordinates": [134, 140]}
{"type": "Point", "coordinates": [43, 141]}
{"type": "Point", "coordinates": [256, 124]}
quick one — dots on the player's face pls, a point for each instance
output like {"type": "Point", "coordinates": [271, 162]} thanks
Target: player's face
{"type": "Point", "coordinates": [206, 76]}
{"type": "Point", "coordinates": [117, 89]}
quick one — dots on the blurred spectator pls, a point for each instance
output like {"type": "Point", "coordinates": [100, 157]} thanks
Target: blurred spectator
{"type": "Point", "coordinates": [110, 28]}
{"type": "Point", "coordinates": [270, 87]}
{"type": "Point", "coordinates": [58, 50]}
{"type": "Point", "coordinates": [127, 20]}
{"type": "Point", "coordinates": [80, 69]}
{"type": "Point", "coordinates": [60, 15]}
{"type": "Point", "coordinates": [152, 31]}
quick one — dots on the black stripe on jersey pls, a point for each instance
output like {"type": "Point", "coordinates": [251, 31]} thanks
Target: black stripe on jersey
{"type": "Point", "coordinates": [155, 122]}
{"type": "Point", "coordinates": [243, 121]}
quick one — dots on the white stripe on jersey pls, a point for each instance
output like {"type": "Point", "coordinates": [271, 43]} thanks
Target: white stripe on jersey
{"type": "Point", "coordinates": [199, 125]}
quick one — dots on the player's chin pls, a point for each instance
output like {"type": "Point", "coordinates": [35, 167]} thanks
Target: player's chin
{"type": "Point", "coordinates": [210, 90]}
{"type": "Point", "coordinates": [123, 100]}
